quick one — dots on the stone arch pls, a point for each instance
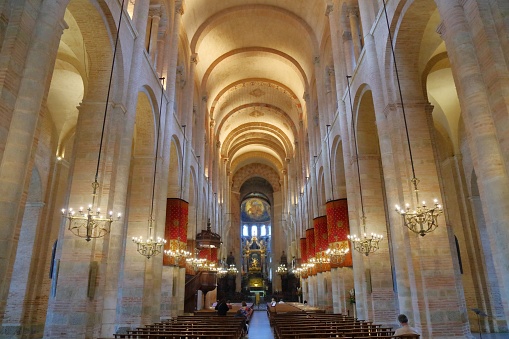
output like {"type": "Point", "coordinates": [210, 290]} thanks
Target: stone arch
{"type": "Point", "coordinates": [276, 135]}
{"type": "Point", "coordinates": [338, 168]}
{"type": "Point", "coordinates": [270, 82]}
{"type": "Point", "coordinates": [269, 160]}
{"type": "Point", "coordinates": [214, 20]}
{"type": "Point", "coordinates": [259, 51]}
{"type": "Point", "coordinates": [256, 170]}
{"type": "Point", "coordinates": [145, 127]}
{"type": "Point", "coordinates": [274, 109]}
{"type": "Point", "coordinates": [410, 20]}
{"type": "Point", "coordinates": [175, 168]}
{"type": "Point", "coordinates": [320, 183]}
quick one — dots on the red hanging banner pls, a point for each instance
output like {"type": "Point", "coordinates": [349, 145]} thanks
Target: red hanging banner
{"type": "Point", "coordinates": [175, 231]}
{"type": "Point", "coordinates": [321, 243]}
{"type": "Point", "coordinates": [321, 235]}
{"type": "Point", "coordinates": [310, 243]}
{"type": "Point", "coordinates": [303, 251]}
{"type": "Point", "coordinates": [338, 229]}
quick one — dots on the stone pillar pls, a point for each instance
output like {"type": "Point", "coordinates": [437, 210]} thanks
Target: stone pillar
{"type": "Point", "coordinates": [188, 120]}
{"type": "Point", "coordinates": [23, 110]}
{"type": "Point", "coordinates": [353, 17]}
{"type": "Point", "coordinates": [134, 288]}
{"type": "Point", "coordinates": [337, 55]}
{"type": "Point", "coordinates": [155, 17]}
{"type": "Point", "coordinates": [313, 291]}
{"type": "Point", "coordinates": [348, 46]}
{"type": "Point", "coordinates": [477, 114]}
{"type": "Point", "coordinates": [367, 14]}
{"type": "Point", "coordinates": [334, 276]}
{"type": "Point", "coordinates": [377, 269]}
{"type": "Point", "coordinates": [321, 292]}
{"type": "Point", "coordinates": [169, 284]}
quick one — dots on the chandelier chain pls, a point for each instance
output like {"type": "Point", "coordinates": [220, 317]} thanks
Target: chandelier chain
{"type": "Point", "coordinates": [356, 154]}
{"type": "Point", "coordinates": [109, 90]}
{"type": "Point", "coordinates": [414, 179]}
{"type": "Point", "coordinates": [329, 130]}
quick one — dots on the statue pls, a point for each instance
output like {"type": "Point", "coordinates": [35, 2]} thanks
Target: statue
{"type": "Point", "coordinates": [230, 260]}
{"type": "Point", "coordinates": [254, 263]}
{"type": "Point", "coordinates": [284, 260]}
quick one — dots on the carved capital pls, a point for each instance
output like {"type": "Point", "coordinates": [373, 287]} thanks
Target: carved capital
{"type": "Point", "coordinates": [441, 30]}
{"type": "Point", "coordinates": [194, 58]}
{"type": "Point", "coordinates": [329, 9]}
{"type": "Point", "coordinates": [352, 11]}
{"type": "Point", "coordinates": [179, 7]}
{"type": "Point", "coordinates": [155, 11]}
{"type": "Point", "coordinates": [330, 70]}
{"type": "Point", "coordinates": [306, 96]}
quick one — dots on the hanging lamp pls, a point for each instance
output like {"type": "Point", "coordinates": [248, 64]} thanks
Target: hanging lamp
{"type": "Point", "coordinates": [90, 223]}
{"type": "Point", "coordinates": [422, 219]}
{"type": "Point", "coordinates": [365, 244]}
{"type": "Point", "coordinates": [151, 247]}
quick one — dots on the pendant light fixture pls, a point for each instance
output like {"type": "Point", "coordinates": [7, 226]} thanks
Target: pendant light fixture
{"type": "Point", "coordinates": [366, 244]}
{"type": "Point", "coordinates": [149, 247]}
{"type": "Point", "coordinates": [423, 219]}
{"type": "Point", "coordinates": [90, 223]}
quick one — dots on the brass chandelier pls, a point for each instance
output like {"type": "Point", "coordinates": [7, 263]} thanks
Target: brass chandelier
{"type": "Point", "coordinates": [232, 270]}
{"type": "Point", "coordinates": [90, 223]}
{"type": "Point", "coordinates": [337, 255]}
{"type": "Point", "coordinates": [282, 270]}
{"type": "Point", "coordinates": [368, 243]}
{"type": "Point", "coordinates": [422, 219]}
{"type": "Point", "coordinates": [150, 247]}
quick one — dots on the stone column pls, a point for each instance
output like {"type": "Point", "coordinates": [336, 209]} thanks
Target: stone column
{"type": "Point", "coordinates": [324, 116]}
{"type": "Point", "coordinates": [321, 291]}
{"type": "Point", "coordinates": [188, 120]}
{"type": "Point", "coordinates": [134, 275]}
{"type": "Point", "coordinates": [155, 17]}
{"type": "Point", "coordinates": [313, 291]}
{"type": "Point", "coordinates": [353, 17]}
{"type": "Point", "coordinates": [367, 14]}
{"type": "Point", "coordinates": [478, 115]}
{"type": "Point", "coordinates": [337, 54]}
{"type": "Point", "coordinates": [24, 111]}
{"type": "Point", "coordinates": [348, 46]}
{"type": "Point", "coordinates": [168, 305]}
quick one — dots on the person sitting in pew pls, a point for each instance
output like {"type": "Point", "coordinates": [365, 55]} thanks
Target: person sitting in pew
{"type": "Point", "coordinates": [240, 314]}
{"type": "Point", "coordinates": [222, 308]}
{"type": "Point", "coordinates": [405, 328]}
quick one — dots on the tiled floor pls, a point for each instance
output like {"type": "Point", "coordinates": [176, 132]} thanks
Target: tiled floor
{"type": "Point", "coordinates": [259, 327]}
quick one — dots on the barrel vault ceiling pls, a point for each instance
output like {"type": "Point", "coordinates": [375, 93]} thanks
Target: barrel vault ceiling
{"type": "Point", "coordinates": [255, 63]}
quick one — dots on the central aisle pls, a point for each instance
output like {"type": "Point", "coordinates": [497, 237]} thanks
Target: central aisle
{"type": "Point", "coordinates": [259, 327]}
